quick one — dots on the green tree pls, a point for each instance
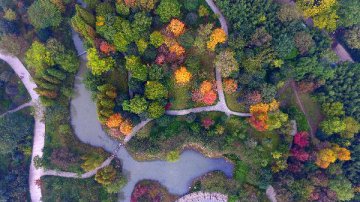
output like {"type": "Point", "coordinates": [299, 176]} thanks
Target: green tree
{"type": "Point", "coordinates": [106, 176]}
{"type": "Point", "coordinates": [333, 109]}
{"type": "Point", "coordinates": [333, 126]}
{"type": "Point", "coordinates": [191, 5]}
{"type": "Point", "coordinates": [155, 90]}
{"type": "Point", "coordinates": [227, 63]}
{"type": "Point", "coordinates": [137, 69]}
{"type": "Point", "coordinates": [168, 9]}
{"type": "Point", "coordinates": [349, 12]}
{"type": "Point", "coordinates": [156, 110]}
{"type": "Point", "coordinates": [56, 73]}
{"type": "Point", "coordinates": [14, 128]}
{"type": "Point", "coordinates": [140, 25]}
{"type": "Point", "coordinates": [240, 172]}
{"type": "Point", "coordinates": [43, 13]}
{"type": "Point", "coordinates": [156, 39]}
{"type": "Point", "coordinates": [342, 187]}
{"type": "Point", "coordinates": [136, 105]}
{"type": "Point", "coordinates": [92, 161]}
{"type": "Point", "coordinates": [38, 57]}
{"type": "Point", "coordinates": [304, 42]}
{"type": "Point", "coordinates": [83, 23]}
{"type": "Point", "coordinates": [288, 13]}
{"type": "Point", "coordinates": [352, 37]}
{"type": "Point", "coordinates": [98, 65]}
{"type": "Point", "coordinates": [352, 128]}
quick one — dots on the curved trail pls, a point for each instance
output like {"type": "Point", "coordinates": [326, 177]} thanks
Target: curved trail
{"type": "Point", "coordinates": [76, 175]}
{"type": "Point", "coordinates": [28, 104]}
{"type": "Point", "coordinates": [39, 127]}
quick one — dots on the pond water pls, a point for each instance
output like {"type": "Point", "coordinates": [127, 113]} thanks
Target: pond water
{"type": "Point", "coordinates": [176, 177]}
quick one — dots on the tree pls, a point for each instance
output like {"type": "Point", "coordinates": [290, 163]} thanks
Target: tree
{"type": "Point", "coordinates": [92, 160]}
{"type": "Point", "coordinates": [323, 13]}
{"type": "Point", "coordinates": [43, 13]}
{"type": "Point", "coordinates": [156, 39]}
{"type": "Point", "coordinates": [176, 27]}
{"type": "Point", "coordinates": [155, 90]}
{"type": "Point", "coordinates": [352, 128]}
{"type": "Point", "coordinates": [349, 12]}
{"type": "Point", "coordinates": [137, 69]}
{"type": "Point", "coordinates": [136, 105]}
{"type": "Point", "coordinates": [182, 76]}
{"type": "Point", "coordinates": [177, 49]}
{"type": "Point", "coordinates": [333, 109]}
{"type": "Point", "coordinates": [114, 121]}
{"type": "Point", "coordinates": [14, 45]}
{"type": "Point", "coordinates": [216, 37]}
{"type": "Point", "coordinates": [204, 32]}
{"type": "Point", "coordinates": [191, 5]}
{"type": "Point", "coordinates": [301, 139]}
{"type": "Point", "coordinates": [343, 87]}
{"type": "Point", "coordinates": [325, 157]}
{"type": "Point", "coordinates": [155, 110]}
{"type": "Point", "coordinates": [168, 9]}
{"type": "Point", "coordinates": [126, 127]}
{"type": "Point", "coordinates": [99, 65]}
{"type": "Point", "coordinates": [276, 120]}
{"type": "Point", "coordinates": [333, 126]}
{"type": "Point", "coordinates": [106, 176]}
{"type": "Point", "coordinates": [230, 86]}
{"type": "Point", "coordinates": [14, 127]}
{"type": "Point", "coordinates": [38, 57]}
{"type": "Point", "coordinates": [352, 37]}
{"type": "Point", "coordinates": [260, 37]}
{"type": "Point", "coordinates": [83, 23]}
{"type": "Point", "coordinates": [342, 187]}
{"type": "Point", "coordinates": [226, 62]}
{"type": "Point", "coordinates": [304, 42]}
{"type": "Point", "coordinates": [342, 153]}
{"type": "Point", "coordinates": [288, 13]}
{"type": "Point", "coordinates": [10, 14]}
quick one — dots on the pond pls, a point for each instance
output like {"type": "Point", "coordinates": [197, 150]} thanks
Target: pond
{"type": "Point", "coordinates": [175, 176]}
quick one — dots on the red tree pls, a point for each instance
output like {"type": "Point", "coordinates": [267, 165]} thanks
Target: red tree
{"type": "Point", "coordinates": [301, 139]}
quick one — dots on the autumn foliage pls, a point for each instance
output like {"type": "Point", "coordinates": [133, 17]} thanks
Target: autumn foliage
{"type": "Point", "coordinates": [206, 94]}
{"type": "Point", "coordinates": [176, 27]}
{"type": "Point", "coordinates": [177, 49]}
{"type": "Point", "coordinates": [230, 86]}
{"type": "Point", "coordinates": [182, 76]}
{"type": "Point", "coordinates": [126, 127]}
{"type": "Point", "coordinates": [330, 155]}
{"type": "Point", "coordinates": [216, 37]}
{"type": "Point", "coordinates": [114, 121]}
{"type": "Point", "coordinates": [106, 48]}
{"type": "Point", "coordinates": [259, 114]}
{"type": "Point", "coordinates": [301, 139]}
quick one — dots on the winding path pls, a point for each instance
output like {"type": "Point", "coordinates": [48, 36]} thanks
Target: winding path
{"type": "Point", "coordinates": [39, 127]}
{"type": "Point", "coordinates": [28, 104]}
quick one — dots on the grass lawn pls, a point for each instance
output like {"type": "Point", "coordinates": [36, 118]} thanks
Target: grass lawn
{"type": "Point", "coordinates": [312, 109]}
{"type": "Point", "coordinates": [232, 102]}
{"type": "Point", "coordinates": [180, 96]}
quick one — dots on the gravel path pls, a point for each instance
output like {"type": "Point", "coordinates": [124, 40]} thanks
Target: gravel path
{"type": "Point", "coordinates": [39, 127]}
{"type": "Point", "coordinates": [204, 197]}
{"type": "Point", "coordinates": [28, 104]}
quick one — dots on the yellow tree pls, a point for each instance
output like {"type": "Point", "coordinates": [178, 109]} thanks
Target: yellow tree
{"type": "Point", "coordinates": [216, 37]}
{"type": "Point", "coordinates": [182, 76]}
{"type": "Point", "coordinates": [325, 157]}
{"type": "Point", "coordinates": [176, 27]}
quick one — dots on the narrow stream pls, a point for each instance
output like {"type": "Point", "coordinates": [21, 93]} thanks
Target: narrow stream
{"type": "Point", "coordinates": [176, 177]}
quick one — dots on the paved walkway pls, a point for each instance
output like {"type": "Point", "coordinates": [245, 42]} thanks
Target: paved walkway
{"type": "Point", "coordinates": [28, 104]}
{"type": "Point", "coordinates": [39, 127]}
{"type": "Point", "coordinates": [204, 197]}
